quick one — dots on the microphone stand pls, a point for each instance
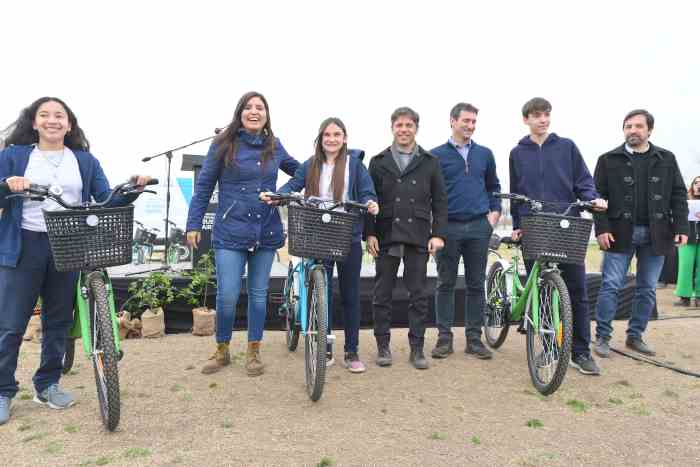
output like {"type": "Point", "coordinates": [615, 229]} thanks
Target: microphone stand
{"type": "Point", "coordinates": [169, 157]}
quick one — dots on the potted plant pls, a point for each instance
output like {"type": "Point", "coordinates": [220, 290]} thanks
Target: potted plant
{"type": "Point", "coordinates": [195, 294]}
{"type": "Point", "coordinates": [148, 296]}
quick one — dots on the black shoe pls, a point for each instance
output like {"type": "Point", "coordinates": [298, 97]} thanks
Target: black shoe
{"type": "Point", "coordinates": [383, 351]}
{"type": "Point", "coordinates": [585, 364]}
{"type": "Point", "coordinates": [637, 344]}
{"type": "Point", "coordinates": [682, 301]}
{"type": "Point", "coordinates": [443, 347]}
{"type": "Point", "coordinates": [476, 348]}
{"type": "Point", "coordinates": [417, 358]}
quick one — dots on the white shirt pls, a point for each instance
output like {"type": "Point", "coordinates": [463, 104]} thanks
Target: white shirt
{"type": "Point", "coordinates": [51, 168]}
{"type": "Point", "coordinates": [324, 182]}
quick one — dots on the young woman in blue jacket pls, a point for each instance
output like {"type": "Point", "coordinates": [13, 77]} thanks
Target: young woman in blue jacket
{"type": "Point", "coordinates": [46, 147]}
{"type": "Point", "coordinates": [335, 173]}
{"type": "Point", "coordinates": [244, 160]}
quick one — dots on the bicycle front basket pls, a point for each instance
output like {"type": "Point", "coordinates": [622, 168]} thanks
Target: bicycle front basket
{"type": "Point", "coordinates": [556, 238]}
{"type": "Point", "coordinates": [90, 239]}
{"type": "Point", "coordinates": [319, 233]}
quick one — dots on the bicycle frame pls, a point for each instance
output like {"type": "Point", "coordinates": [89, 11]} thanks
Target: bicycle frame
{"type": "Point", "coordinates": [528, 296]}
{"type": "Point", "coordinates": [81, 314]}
{"type": "Point", "coordinates": [302, 270]}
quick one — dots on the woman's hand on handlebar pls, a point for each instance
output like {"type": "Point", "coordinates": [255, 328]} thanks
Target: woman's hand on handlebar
{"type": "Point", "coordinates": [18, 184]}
{"type": "Point", "coordinates": [193, 238]}
{"type": "Point", "coordinates": [516, 235]}
{"type": "Point", "coordinates": [372, 207]}
{"type": "Point", "coordinates": [266, 197]}
{"type": "Point", "coordinates": [140, 181]}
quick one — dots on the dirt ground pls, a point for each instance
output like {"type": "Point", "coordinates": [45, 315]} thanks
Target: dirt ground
{"type": "Point", "coordinates": [461, 411]}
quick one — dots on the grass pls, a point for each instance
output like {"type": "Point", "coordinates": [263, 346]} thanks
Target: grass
{"type": "Point", "coordinates": [535, 423]}
{"type": "Point", "coordinates": [24, 427]}
{"type": "Point", "coordinates": [25, 397]}
{"type": "Point", "coordinates": [70, 429]}
{"type": "Point", "coordinates": [227, 424]}
{"type": "Point", "coordinates": [437, 436]}
{"type": "Point", "coordinates": [212, 385]}
{"type": "Point", "coordinates": [55, 447]}
{"type": "Point", "coordinates": [104, 460]}
{"type": "Point", "coordinates": [641, 411]}
{"type": "Point", "coordinates": [476, 440]}
{"type": "Point", "coordinates": [615, 400]}
{"type": "Point", "coordinates": [577, 405]}
{"type": "Point", "coordinates": [34, 437]}
{"type": "Point", "coordinates": [636, 395]}
{"type": "Point", "coordinates": [325, 462]}
{"type": "Point", "coordinates": [135, 453]}
{"type": "Point", "coordinates": [177, 388]}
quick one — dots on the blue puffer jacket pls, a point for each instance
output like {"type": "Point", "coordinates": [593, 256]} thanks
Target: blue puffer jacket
{"type": "Point", "coordinates": [361, 186]}
{"type": "Point", "coordinates": [13, 163]}
{"type": "Point", "coordinates": [242, 221]}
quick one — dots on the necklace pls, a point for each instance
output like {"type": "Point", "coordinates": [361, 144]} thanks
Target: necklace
{"type": "Point", "coordinates": [52, 160]}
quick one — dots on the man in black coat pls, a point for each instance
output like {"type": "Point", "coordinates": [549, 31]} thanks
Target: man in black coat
{"type": "Point", "coordinates": [647, 213]}
{"type": "Point", "coordinates": [411, 224]}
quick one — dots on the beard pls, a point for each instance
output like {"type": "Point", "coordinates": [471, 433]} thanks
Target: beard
{"type": "Point", "coordinates": [634, 140]}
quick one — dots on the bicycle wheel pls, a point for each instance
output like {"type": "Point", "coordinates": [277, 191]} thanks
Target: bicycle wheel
{"type": "Point", "coordinates": [289, 311]}
{"type": "Point", "coordinates": [497, 310]}
{"type": "Point", "coordinates": [104, 354]}
{"type": "Point", "coordinates": [69, 356]}
{"type": "Point", "coordinates": [316, 333]}
{"type": "Point", "coordinates": [549, 346]}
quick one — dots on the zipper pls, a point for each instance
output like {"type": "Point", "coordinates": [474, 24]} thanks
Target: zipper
{"type": "Point", "coordinates": [227, 211]}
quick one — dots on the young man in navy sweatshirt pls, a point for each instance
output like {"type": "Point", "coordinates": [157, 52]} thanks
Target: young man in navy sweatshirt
{"type": "Point", "coordinates": [546, 167]}
{"type": "Point", "coordinates": [470, 176]}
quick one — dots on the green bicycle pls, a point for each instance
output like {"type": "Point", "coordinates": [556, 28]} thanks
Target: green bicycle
{"type": "Point", "coordinates": [542, 305]}
{"type": "Point", "coordinates": [88, 238]}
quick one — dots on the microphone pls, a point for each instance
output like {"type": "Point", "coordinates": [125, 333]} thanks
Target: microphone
{"type": "Point", "coordinates": [146, 159]}
{"type": "Point", "coordinates": [219, 130]}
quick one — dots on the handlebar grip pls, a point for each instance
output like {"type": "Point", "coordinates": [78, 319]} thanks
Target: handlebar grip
{"type": "Point", "coordinates": [153, 181]}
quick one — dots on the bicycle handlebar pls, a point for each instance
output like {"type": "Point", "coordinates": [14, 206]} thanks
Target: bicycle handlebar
{"type": "Point", "coordinates": [54, 192]}
{"type": "Point", "coordinates": [315, 201]}
{"type": "Point", "coordinates": [538, 206]}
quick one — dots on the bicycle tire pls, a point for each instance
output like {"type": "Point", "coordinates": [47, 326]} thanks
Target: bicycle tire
{"type": "Point", "coordinates": [556, 344]}
{"type": "Point", "coordinates": [497, 309]}
{"type": "Point", "coordinates": [290, 319]}
{"type": "Point", "coordinates": [69, 356]}
{"type": "Point", "coordinates": [104, 356]}
{"type": "Point", "coordinates": [316, 334]}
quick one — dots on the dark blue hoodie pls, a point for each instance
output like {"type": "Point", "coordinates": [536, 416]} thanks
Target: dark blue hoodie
{"type": "Point", "coordinates": [553, 172]}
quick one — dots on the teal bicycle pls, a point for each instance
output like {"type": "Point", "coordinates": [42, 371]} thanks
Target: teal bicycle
{"type": "Point", "coordinates": [88, 238]}
{"type": "Point", "coordinates": [542, 306]}
{"type": "Point", "coordinates": [317, 232]}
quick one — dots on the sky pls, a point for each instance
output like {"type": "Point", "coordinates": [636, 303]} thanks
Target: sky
{"type": "Point", "coordinates": [147, 76]}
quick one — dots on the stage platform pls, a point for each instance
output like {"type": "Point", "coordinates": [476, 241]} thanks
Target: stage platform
{"type": "Point", "coordinates": [178, 316]}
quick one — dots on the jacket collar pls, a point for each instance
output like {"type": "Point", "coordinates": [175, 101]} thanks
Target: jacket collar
{"type": "Point", "coordinates": [389, 163]}
{"type": "Point", "coordinates": [653, 151]}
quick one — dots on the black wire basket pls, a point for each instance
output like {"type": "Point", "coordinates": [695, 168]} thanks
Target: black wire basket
{"type": "Point", "coordinates": [556, 238]}
{"type": "Point", "coordinates": [319, 233]}
{"type": "Point", "coordinates": [90, 239]}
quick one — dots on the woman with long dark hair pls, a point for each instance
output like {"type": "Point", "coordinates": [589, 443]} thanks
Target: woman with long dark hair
{"type": "Point", "coordinates": [45, 146]}
{"type": "Point", "coordinates": [335, 173]}
{"type": "Point", "coordinates": [244, 160]}
{"type": "Point", "coordinates": [688, 286]}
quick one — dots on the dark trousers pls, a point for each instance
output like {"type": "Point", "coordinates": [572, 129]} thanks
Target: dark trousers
{"type": "Point", "coordinates": [468, 240]}
{"type": "Point", "coordinates": [574, 276]}
{"type": "Point", "coordinates": [349, 282]}
{"type": "Point", "coordinates": [20, 287]}
{"type": "Point", "coordinates": [415, 262]}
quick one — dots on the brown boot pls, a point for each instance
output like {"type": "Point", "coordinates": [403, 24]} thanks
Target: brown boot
{"type": "Point", "coordinates": [220, 359]}
{"type": "Point", "coordinates": [253, 365]}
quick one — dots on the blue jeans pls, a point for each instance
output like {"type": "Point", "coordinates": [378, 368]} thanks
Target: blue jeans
{"type": "Point", "coordinates": [349, 281]}
{"type": "Point", "coordinates": [469, 240]}
{"type": "Point", "coordinates": [615, 267]}
{"type": "Point", "coordinates": [34, 276]}
{"type": "Point", "coordinates": [230, 265]}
